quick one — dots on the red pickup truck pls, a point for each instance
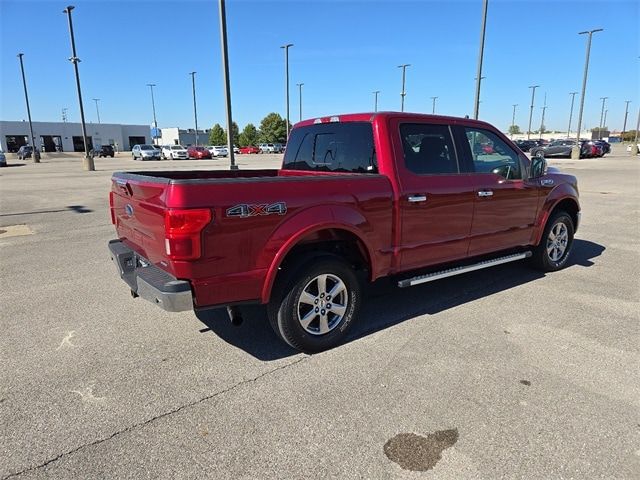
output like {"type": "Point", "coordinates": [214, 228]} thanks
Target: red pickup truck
{"type": "Point", "coordinates": [358, 197]}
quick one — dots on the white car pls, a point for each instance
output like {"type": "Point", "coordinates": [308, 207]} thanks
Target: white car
{"type": "Point", "coordinates": [174, 152]}
{"type": "Point", "coordinates": [629, 148]}
{"type": "Point", "coordinates": [218, 151]}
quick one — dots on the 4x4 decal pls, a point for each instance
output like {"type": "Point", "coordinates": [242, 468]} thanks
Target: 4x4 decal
{"type": "Point", "coordinates": [244, 210]}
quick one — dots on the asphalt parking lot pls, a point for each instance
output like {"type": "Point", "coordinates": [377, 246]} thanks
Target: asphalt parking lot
{"type": "Point", "coordinates": [502, 373]}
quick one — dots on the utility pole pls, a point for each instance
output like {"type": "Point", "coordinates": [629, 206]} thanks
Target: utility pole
{"type": "Point", "coordinates": [476, 105]}
{"type": "Point", "coordinates": [604, 99]}
{"type": "Point", "coordinates": [403, 93]}
{"type": "Point", "coordinates": [87, 161]}
{"type": "Point", "coordinates": [533, 96]}
{"type": "Point", "coordinates": [375, 100]}
{"type": "Point", "coordinates": [195, 110]}
{"type": "Point", "coordinates": [286, 81]}
{"type": "Point", "coordinates": [97, 109]}
{"type": "Point", "coordinates": [153, 106]}
{"type": "Point", "coordinates": [433, 107]}
{"type": "Point", "coordinates": [626, 113]}
{"type": "Point", "coordinates": [575, 151]}
{"type": "Point", "coordinates": [544, 109]}
{"type": "Point", "coordinates": [513, 117]}
{"type": "Point", "coordinates": [227, 83]}
{"type": "Point", "coordinates": [299, 85]}
{"type": "Point", "coordinates": [36, 152]}
{"type": "Point", "coordinates": [573, 97]}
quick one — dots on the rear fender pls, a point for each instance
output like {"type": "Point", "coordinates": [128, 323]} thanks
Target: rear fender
{"type": "Point", "coordinates": [564, 191]}
{"type": "Point", "coordinates": [302, 225]}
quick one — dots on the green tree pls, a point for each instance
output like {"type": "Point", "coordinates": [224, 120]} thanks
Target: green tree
{"type": "Point", "coordinates": [273, 128]}
{"type": "Point", "coordinates": [249, 136]}
{"type": "Point", "coordinates": [235, 131]}
{"type": "Point", "coordinates": [514, 129]}
{"type": "Point", "coordinates": [217, 135]}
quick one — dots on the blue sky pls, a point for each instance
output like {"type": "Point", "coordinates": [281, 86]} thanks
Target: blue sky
{"type": "Point", "coordinates": [343, 50]}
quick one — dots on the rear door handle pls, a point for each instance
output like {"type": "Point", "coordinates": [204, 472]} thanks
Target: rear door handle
{"type": "Point", "coordinates": [417, 198]}
{"type": "Point", "coordinates": [485, 193]}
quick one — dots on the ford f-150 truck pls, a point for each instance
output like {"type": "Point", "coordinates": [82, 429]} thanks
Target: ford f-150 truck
{"type": "Point", "coordinates": [358, 197]}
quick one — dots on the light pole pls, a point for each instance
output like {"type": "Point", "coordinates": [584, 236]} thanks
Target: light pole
{"type": "Point", "coordinates": [87, 161]}
{"type": "Point", "coordinates": [36, 152]}
{"type": "Point", "coordinates": [533, 96]}
{"type": "Point", "coordinates": [403, 93]}
{"type": "Point", "coordinates": [286, 81]}
{"type": "Point", "coordinates": [227, 83]}
{"type": "Point", "coordinates": [299, 85]}
{"type": "Point", "coordinates": [626, 114]}
{"type": "Point", "coordinates": [153, 106]}
{"type": "Point", "coordinates": [375, 100]}
{"type": "Point", "coordinates": [195, 110]}
{"type": "Point", "coordinates": [64, 115]}
{"type": "Point", "coordinates": [604, 99]}
{"type": "Point", "coordinates": [97, 109]}
{"type": "Point", "coordinates": [513, 118]}
{"type": "Point", "coordinates": [573, 97]}
{"type": "Point", "coordinates": [544, 110]}
{"type": "Point", "coordinates": [476, 105]}
{"type": "Point", "coordinates": [433, 106]}
{"type": "Point", "coordinates": [575, 151]}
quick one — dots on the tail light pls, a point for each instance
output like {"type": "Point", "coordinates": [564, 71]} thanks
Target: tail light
{"type": "Point", "coordinates": [183, 232]}
{"type": "Point", "coordinates": [112, 209]}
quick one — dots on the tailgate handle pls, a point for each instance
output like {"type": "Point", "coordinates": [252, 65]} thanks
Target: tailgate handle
{"type": "Point", "coordinates": [124, 186]}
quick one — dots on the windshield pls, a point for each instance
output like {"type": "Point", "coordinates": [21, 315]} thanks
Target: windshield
{"type": "Point", "coordinates": [177, 147]}
{"type": "Point", "coordinates": [146, 147]}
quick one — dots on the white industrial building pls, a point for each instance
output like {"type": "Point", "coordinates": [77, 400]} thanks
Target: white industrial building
{"type": "Point", "coordinates": [67, 136]}
{"type": "Point", "coordinates": [179, 136]}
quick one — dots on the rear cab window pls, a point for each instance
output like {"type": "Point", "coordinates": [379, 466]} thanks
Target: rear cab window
{"type": "Point", "coordinates": [345, 147]}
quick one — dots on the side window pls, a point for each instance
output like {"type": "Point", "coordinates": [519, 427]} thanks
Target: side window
{"type": "Point", "coordinates": [332, 147]}
{"type": "Point", "coordinates": [428, 149]}
{"type": "Point", "coordinates": [491, 155]}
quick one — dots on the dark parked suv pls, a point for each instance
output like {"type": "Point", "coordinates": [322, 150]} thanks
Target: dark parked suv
{"type": "Point", "coordinates": [105, 151]}
{"type": "Point", "coordinates": [25, 151]}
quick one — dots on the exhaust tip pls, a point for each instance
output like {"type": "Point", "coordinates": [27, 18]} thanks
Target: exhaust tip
{"type": "Point", "coordinates": [235, 316]}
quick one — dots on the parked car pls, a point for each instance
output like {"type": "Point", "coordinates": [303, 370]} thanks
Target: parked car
{"type": "Point", "coordinates": [24, 152]}
{"type": "Point", "coordinates": [562, 148]}
{"type": "Point", "coordinates": [630, 146]}
{"type": "Point", "coordinates": [421, 206]}
{"type": "Point", "coordinates": [606, 146]}
{"type": "Point", "coordinates": [198, 153]}
{"type": "Point", "coordinates": [525, 145]}
{"type": "Point", "coordinates": [236, 149]}
{"type": "Point", "coordinates": [278, 148]}
{"type": "Point", "coordinates": [3, 159]}
{"type": "Point", "coordinates": [249, 149]}
{"type": "Point", "coordinates": [174, 152]}
{"type": "Point", "coordinates": [145, 152]}
{"type": "Point", "coordinates": [267, 148]}
{"type": "Point", "coordinates": [105, 151]}
{"type": "Point", "coordinates": [218, 151]}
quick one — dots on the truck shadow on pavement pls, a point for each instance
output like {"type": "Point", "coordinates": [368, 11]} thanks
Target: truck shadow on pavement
{"type": "Point", "coordinates": [387, 305]}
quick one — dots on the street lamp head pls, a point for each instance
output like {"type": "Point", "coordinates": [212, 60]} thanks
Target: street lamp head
{"type": "Point", "coordinates": [151, 84]}
{"type": "Point", "coordinates": [591, 31]}
{"type": "Point", "coordinates": [287, 45]}
{"type": "Point", "coordinates": [534, 86]}
{"type": "Point", "coordinates": [20, 55]}
{"type": "Point", "coordinates": [192, 73]}
{"type": "Point", "coordinates": [68, 9]}
{"type": "Point", "coordinates": [404, 65]}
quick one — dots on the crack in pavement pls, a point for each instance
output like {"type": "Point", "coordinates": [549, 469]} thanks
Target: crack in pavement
{"type": "Point", "coordinates": [152, 419]}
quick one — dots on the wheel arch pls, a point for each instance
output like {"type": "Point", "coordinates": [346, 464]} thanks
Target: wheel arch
{"type": "Point", "coordinates": [567, 203]}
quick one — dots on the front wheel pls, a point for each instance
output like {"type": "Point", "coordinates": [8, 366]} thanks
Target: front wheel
{"type": "Point", "coordinates": [554, 248]}
{"type": "Point", "coordinates": [313, 308]}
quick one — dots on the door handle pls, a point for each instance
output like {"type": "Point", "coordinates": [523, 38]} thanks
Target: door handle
{"type": "Point", "coordinates": [417, 198]}
{"type": "Point", "coordinates": [485, 193]}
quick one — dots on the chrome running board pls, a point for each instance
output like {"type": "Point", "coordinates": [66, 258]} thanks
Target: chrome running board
{"type": "Point", "coordinates": [430, 277]}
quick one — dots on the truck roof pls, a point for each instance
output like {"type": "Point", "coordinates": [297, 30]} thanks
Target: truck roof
{"type": "Point", "coordinates": [371, 116]}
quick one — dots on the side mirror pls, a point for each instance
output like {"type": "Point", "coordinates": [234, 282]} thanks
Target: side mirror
{"type": "Point", "coordinates": [538, 167]}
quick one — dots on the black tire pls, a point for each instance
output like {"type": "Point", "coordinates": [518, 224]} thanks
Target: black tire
{"type": "Point", "coordinates": [546, 260]}
{"type": "Point", "coordinates": [286, 306]}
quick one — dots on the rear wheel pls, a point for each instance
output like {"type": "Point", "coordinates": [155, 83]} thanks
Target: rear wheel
{"type": "Point", "coordinates": [555, 246]}
{"type": "Point", "coordinates": [314, 306]}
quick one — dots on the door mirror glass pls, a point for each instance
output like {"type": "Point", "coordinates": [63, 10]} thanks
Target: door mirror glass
{"type": "Point", "coordinates": [538, 167]}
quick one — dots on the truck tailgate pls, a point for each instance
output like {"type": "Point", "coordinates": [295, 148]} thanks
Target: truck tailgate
{"type": "Point", "coordinates": [137, 210]}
